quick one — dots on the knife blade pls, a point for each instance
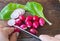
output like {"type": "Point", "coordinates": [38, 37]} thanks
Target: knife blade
{"type": "Point", "coordinates": [27, 32]}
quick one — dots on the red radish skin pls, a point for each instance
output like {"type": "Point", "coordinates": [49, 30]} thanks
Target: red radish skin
{"type": "Point", "coordinates": [18, 22]}
{"type": "Point", "coordinates": [35, 24]}
{"type": "Point", "coordinates": [16, 30]}
{"type": "Point", "coordinates": [11, 22]}
{"type": "Point", "coordinates": [23, 26]}
{"type": "Point", "coordinates": [33, 31]}
{"type": "Point", "coordinates": [35, 18]}
{"type": "Point", "coordinates": [41, 22]}
{"type": "Point", "coordinates": [29, 24]}
{"type": "Point", "coordinates": [29, 18]}
{"type": "Point", "coordinates": [22, 18]}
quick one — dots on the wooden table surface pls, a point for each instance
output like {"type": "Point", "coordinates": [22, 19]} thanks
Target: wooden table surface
{"type": "Point", "coordinates": [51, 11]}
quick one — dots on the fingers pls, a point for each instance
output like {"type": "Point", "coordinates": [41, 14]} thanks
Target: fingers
{"type": "Point", "coordinates": [14, 36]}
{"type": "Point", "coordinates": [57, 36]}
{"type": "Point", "coordinates": [45, 37]}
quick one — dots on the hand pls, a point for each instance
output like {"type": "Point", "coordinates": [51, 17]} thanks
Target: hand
{"type": "Point", "coordinates": [5, 34]}
{"type": "Point", "coordinates": [49, 38]}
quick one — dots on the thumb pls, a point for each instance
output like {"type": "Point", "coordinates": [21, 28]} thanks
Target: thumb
{"type": "Point", "coordinates": [8, 30]}
{"type": "Point", "coordinates": [14, 36]}
{"type": "Point", "coordinates": [45, 37]}
{"type": "Point", "coordinates": [57, 36]}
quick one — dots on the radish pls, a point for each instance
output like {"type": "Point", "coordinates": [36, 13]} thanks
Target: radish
{"type": "Point", "coordinates": [33, 31]}
{"type": "Point", "coordinates": [18, 22]}
{"type": "Point", "coordinates": [29, 18]}
{"type": "Point", "coordinates": [35, 18]}
{"type": "Point", "coordinates": [17, 12]}
{"type": "Point", "coordinates": [41, 22]}
{"type": "Point", "coordinates": [16, 30]}
{"type": "Point", "coordinates": [11, 22]}
{"type": "Point", "coordinates": [23, 26]}
{"type": "Point", "coordinates": [35, 24]}
{"type": "Point", "coordinates": [22, 18]}
{"type": "Point", "coordinates": [29, 24]}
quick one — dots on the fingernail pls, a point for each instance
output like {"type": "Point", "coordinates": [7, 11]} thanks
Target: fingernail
{"type": "Point", "coordinates": [17, 34]}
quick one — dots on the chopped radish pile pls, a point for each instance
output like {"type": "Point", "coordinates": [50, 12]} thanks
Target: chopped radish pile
{"type": "Point", "coordinates": [31, 22]}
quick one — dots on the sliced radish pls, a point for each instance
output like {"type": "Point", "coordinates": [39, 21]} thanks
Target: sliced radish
{"type": "Point", "coordinates": [11, 22]}
{"type": "Point", "coordinates": [16, 13]}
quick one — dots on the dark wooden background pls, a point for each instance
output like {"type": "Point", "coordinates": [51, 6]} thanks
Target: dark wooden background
{"type": "Point", "coordinates": [51, 11]}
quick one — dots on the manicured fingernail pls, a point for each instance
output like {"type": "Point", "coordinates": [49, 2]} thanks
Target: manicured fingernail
{"type": "Point", "coordinates": [17, 34]}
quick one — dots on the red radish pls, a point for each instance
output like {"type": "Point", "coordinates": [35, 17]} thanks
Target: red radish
{"type": "Point", "coordinates": [41, 22]}
{"type": "Point", "coordinates": [16, 30]}
{"type": "Point", "coordinates": [11, 22]}
{"type": "Point", "coordinates": [17, 12]}
{"type": "Point", "coordinates": [29, 18]}
{"type": "Point", "coordinates": [35, 18]}
{"type": "Point", "coordinates": [29, 23]}
{"type": "Point", "coordinates": [23, 26]}
{"type": "Point", "coordinates": [33, 31]}
{"type": "Point", "coordinates": [35, 24]}
{"type": "Point", "coordinates": [22, 18]}
{"type": "Point", "coordinates": [18, 22]}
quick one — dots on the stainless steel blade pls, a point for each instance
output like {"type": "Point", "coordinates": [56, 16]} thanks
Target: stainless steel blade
{"type": "Point", "coordinates": [27, 32]}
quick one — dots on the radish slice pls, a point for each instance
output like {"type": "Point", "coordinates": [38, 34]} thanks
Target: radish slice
{"type": "Point", "coordinates": [16, 13]}
{"type": "Point", "coordinates": [11, 22]}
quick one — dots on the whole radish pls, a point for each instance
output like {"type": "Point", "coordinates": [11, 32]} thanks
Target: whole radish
{"type": "Point", "coordinates": [28, 23]}
{"type": "Point", "coordinates": [23, 26]}
{"type": "Point", "coordinates": [22, 18]}
{"type": "Point", "coordinates": [35, 18]}
{"type": "Point", "coordinates": [33, 31]}
{"type": "Point", "coordinates": [35, 24]}
{"type": "Point", "coordinates": [18, 22]}
{"type": "Point", "coordinates": [41, 22]}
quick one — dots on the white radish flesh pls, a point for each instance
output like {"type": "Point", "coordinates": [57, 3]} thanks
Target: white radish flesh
{"type": "Point", "coordinates": [17, 12]}
{"type": "Point", "coordinates": [11, 22]}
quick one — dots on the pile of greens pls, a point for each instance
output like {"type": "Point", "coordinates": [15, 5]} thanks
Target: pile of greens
{"type": "Point", "coordinates": [33, 7]}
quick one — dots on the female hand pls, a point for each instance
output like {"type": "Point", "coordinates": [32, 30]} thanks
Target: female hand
{"type": "Point", "coordinates": [7, 35]}
{"type": "Point", "coordinates": [49, 38]}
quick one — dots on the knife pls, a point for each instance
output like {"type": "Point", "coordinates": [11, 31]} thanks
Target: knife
{"type": "Point", "coordinates": [27, 32]}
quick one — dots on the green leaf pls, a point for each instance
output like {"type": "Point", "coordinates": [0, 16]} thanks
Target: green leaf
{"type": "Point", "coordinates": [8, 9]}
{"type": "Point", "coordinates": [36, 9]}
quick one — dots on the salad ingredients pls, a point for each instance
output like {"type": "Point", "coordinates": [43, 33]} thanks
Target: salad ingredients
{"type": "Point", "coordinates": [35, 24]}
{"type": "Point", "coordinates": [8, 9]}
{"type": "Point", "coordinates": [41, 22]}
{"type": "Point", "coordinates": [29, 24]}
{"type": "Point", "coordinates": [16, 30]}
{"type": "Point", "coordinates": [11, 22]}
{"type": "Point", "coordinates": [21, 17]}
{"type": "Point", "coordinates": [35, 18]}
{"type": "Point", "coordinates": [18, 22]}
{"type": "Point", "coordinates": [23, 26]}
{"type": "Point", "coordinates": [29, 18]}
{"type": "Point", "coordinates": [36, 9]}
{"type": "Point", "coordinates": [33, 31]}
{"type": "Point", "coordinates": [17, 12]}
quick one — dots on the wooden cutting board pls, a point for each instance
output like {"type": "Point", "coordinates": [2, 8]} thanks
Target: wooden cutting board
{"type": "Point", "coordinates": [51, 11]}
